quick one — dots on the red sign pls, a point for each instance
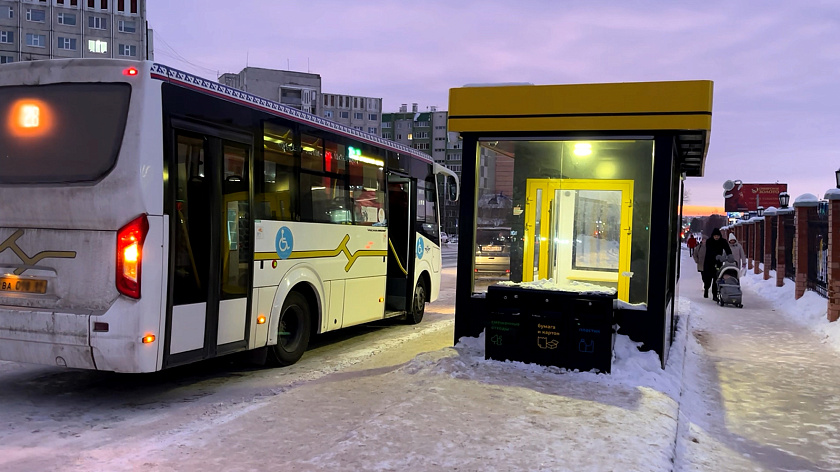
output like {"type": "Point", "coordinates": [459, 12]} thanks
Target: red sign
{"type": "Point", "coordinates": [748, 197]}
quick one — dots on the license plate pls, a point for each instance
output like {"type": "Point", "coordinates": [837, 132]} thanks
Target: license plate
{"type": "Point", "coordinates": [491, 248]}
{"type": "Point", "coordinates": [17, 285]}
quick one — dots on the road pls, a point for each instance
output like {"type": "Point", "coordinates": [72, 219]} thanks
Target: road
{"type": "Point", "coordinates": [63, 419]}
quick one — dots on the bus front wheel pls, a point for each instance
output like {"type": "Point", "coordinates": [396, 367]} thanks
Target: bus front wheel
{"type": "Point", "coordinates": [418, 304]}
{"type": "Point", "coordinates": [293, 330]}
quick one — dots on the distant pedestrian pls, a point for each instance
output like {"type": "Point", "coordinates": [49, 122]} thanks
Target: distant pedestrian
{"type": "Point", "coordinates": [738, 252]}
{"type": "Point", "coordinates": [713, 247]}
{"type": "Point", "coordinates": [691, 243]}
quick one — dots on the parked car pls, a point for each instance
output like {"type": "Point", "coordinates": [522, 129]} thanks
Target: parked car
{"type": "Point", "coordinates": [492, 252]}
{"type": "Point", "coordinates": [444, 238]}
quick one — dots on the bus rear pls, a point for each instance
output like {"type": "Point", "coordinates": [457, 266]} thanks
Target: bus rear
{"type": "Point", "coordinates": [81, 228]}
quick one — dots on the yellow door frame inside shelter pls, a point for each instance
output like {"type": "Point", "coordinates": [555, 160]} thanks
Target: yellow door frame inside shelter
{"type": "Point", "coordinates": [546, 189]}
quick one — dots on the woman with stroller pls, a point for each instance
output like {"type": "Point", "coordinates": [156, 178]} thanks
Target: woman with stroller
{"type": "Point", "coordinates": [707, 255]}
{"type": "Point", "coordinates": [738, 253]}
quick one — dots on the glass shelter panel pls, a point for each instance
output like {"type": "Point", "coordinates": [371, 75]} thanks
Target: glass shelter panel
{"type": "Point", "coordinates": [570, 213]}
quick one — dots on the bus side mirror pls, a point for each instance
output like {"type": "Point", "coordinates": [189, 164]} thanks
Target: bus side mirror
{"type": "Point", "coordinates": [451, 189]}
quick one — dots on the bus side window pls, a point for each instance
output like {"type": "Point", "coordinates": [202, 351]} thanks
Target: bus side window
{"type": "Point", "coordinates": [275, 185]}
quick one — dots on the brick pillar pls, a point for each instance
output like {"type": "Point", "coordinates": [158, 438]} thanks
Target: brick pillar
{"type": "Point", "coordinates": [748, 246]}
{"type": "Point", "coordinates": [780, 252]}
{"type": "Point", "coordinates": [833, 257]}
{"type": "Point", "coordinates": [758, 255]}
{"type": "Point", "coordinates": [768, 246]}
{"type": "Point", "coordinates": [801, 217]}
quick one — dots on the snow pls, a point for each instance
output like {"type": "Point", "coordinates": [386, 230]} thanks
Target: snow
{"type": "Point", "coordinates": [564, 286]}
{"type": "Point", "coordinates": [806, 198]}
{"type": "Point", "coordinates": [832, 194]}
{"type": "Point", "coordinates": [743, 389]}
{"type": "Point", "coordinates": [809, 311]}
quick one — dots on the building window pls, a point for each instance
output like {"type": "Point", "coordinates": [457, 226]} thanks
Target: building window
{"type": "Point", "coordinates": [7, 12]}
{"type": "Point", "coordinates": [440, 150]}
{"type": "Point", "coordinates": [91, 3]}
{"type": "Point", "coordinates": [6, 59]}
{"type": "Point", "coordinates": [97, 22]}
{"type": "Point", "coordinates": [373, 116]}
{"type": "Point", "coordinates": [355, 102]}
{"type": "Point", "coordinates": [7, 36]}
{"type": "Point", "coordinates": [386, 124]}
{"type": "Point", "coordinates": [98, 46]}
{"type": "Point", "coordinates": [358, 116]}
{"type": "Point", "coordinates": [422, 146]}
{"type": "Point", "coordinates": [68, 19]}
{"type": "Point", "coordinates": [372, 130]}
{"type": "Point", "coordinates": [67, 43]}
{"type": "Point", "coordinates": [133, 6]}
{"type": "Point", "coordinates": [36, 40]}
{"type": "Point", "coordinates": [127, 50]}
{"type": "Point", "coordinates": [328, 114]}
{"type": "Point", "coordinates": [36, 15]}
{"type": "Point", "coordinates": [74, 3]}
{"type": "Point", "coordinates": [103, 4]}
{"type": "Point", "coordinates": [120, 5]}
{"type": "Point", "coordinates": [422, 124]}
{"type": "Point", "coordinates": [127, 26]}
{"type": "Point", "coordinates": [344, 114]}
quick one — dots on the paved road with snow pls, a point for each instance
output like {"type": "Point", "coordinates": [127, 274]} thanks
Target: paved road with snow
{"type": "Point", "coordinates": [761, 391]}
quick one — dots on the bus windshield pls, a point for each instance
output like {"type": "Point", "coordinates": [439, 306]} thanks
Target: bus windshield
{"type": "Point", "coordinates": [61, 133]}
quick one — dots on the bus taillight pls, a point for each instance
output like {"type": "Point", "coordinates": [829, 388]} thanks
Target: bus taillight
{"type": "Point", "coordinates": [130, 255]}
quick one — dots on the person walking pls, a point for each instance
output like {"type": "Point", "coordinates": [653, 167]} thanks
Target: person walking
{"type": "Point", "coordinates": [738, 253]}
{"type": "Point", "coordinates": [712, 247]}
{"type": "Point", "coordinates": [691, 243]}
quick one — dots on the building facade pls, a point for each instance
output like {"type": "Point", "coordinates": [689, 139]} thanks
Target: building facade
{"type": "Point", "coordinates": [299, 90]}
{"type": "Point", "coordinates": [361, 113]}
{"type": "Point", "coordinates": [53, 29]}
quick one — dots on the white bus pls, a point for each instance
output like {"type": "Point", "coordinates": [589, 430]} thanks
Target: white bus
{"type": "Point", "coordinates": [151, 218]}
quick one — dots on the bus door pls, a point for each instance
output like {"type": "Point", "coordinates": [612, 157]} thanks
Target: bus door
{"type": "Point", "coordinates": [400, 242]}
{"type": "Point", "coordinates": [210, 245]}
{"type": "Point", "coordinates": [579, 230]}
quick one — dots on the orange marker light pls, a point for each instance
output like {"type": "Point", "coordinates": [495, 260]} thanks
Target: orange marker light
{"type": "Point", "coordinates": [29, 118]}
{"type": "Point", "coordinates": [261, 319]}
{"type": "Point", "coordinates": [149, 338]}
{"type": "Point", "coordinates": [381, 299]}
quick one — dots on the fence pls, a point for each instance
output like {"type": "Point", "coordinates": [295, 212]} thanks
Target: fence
{"type": "Point", "coordinates": [818, 251]}
{"type": "Point", "coordinates": [790, 247]}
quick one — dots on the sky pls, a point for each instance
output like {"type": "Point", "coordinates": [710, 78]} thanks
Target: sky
{"type": "Point", "coordinates": [775, 64]}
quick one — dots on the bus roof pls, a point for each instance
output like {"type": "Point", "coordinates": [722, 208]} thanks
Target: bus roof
{"type": "Point", "coordinates": [193, 82]}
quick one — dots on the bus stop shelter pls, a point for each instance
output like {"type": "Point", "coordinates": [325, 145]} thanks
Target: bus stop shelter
{"type": "Point", "coordinates": [574, 186]}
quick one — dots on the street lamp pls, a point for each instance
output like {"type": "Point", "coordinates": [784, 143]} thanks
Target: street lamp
{"type": "Point", "coordinates": [784, 198]}
{"type": "Point", "coordinates": [760, 211]}
{"type": "Point", "coordinates": [837, 177]}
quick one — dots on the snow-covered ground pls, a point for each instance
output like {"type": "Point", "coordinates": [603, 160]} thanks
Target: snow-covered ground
{"type": "Point", "coordinates": [743, 389]}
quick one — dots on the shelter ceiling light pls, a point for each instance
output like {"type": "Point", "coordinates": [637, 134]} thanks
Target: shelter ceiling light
{"type": "Point", "coordinates": [583, 149]}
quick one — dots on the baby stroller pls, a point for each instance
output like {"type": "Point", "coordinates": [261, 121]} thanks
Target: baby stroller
{"type": "Point", "coordinates": [729, 285]}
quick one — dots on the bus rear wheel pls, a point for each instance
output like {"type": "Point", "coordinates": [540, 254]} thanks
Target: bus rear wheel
{"type": "Point", "coordinates": [293, 330]}
{"type": "Point", "coordinates": [418, 304]}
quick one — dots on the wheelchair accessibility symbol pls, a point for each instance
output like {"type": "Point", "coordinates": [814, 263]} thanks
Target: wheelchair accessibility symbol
{"type": "Point", "coordinates": [284, 242]}
{"type": "Point", "coordinates": [420, 249]}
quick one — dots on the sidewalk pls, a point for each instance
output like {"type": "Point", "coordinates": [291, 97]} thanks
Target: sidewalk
{"type": "Point", "coordinates": [761, 391]}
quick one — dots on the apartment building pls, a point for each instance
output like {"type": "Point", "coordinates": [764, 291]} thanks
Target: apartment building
{"type": "Point", "coordinates": [424, 131]}
{"type": "Point", "coordinates": [49, 29]}
{"type": "Point", "coordinates": [299, 90]}
{"type": "Point", "coordinates": [361, 113]}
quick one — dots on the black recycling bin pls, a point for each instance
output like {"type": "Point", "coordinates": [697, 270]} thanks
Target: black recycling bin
{"type": "Point", "coordinates": [552, 328]}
